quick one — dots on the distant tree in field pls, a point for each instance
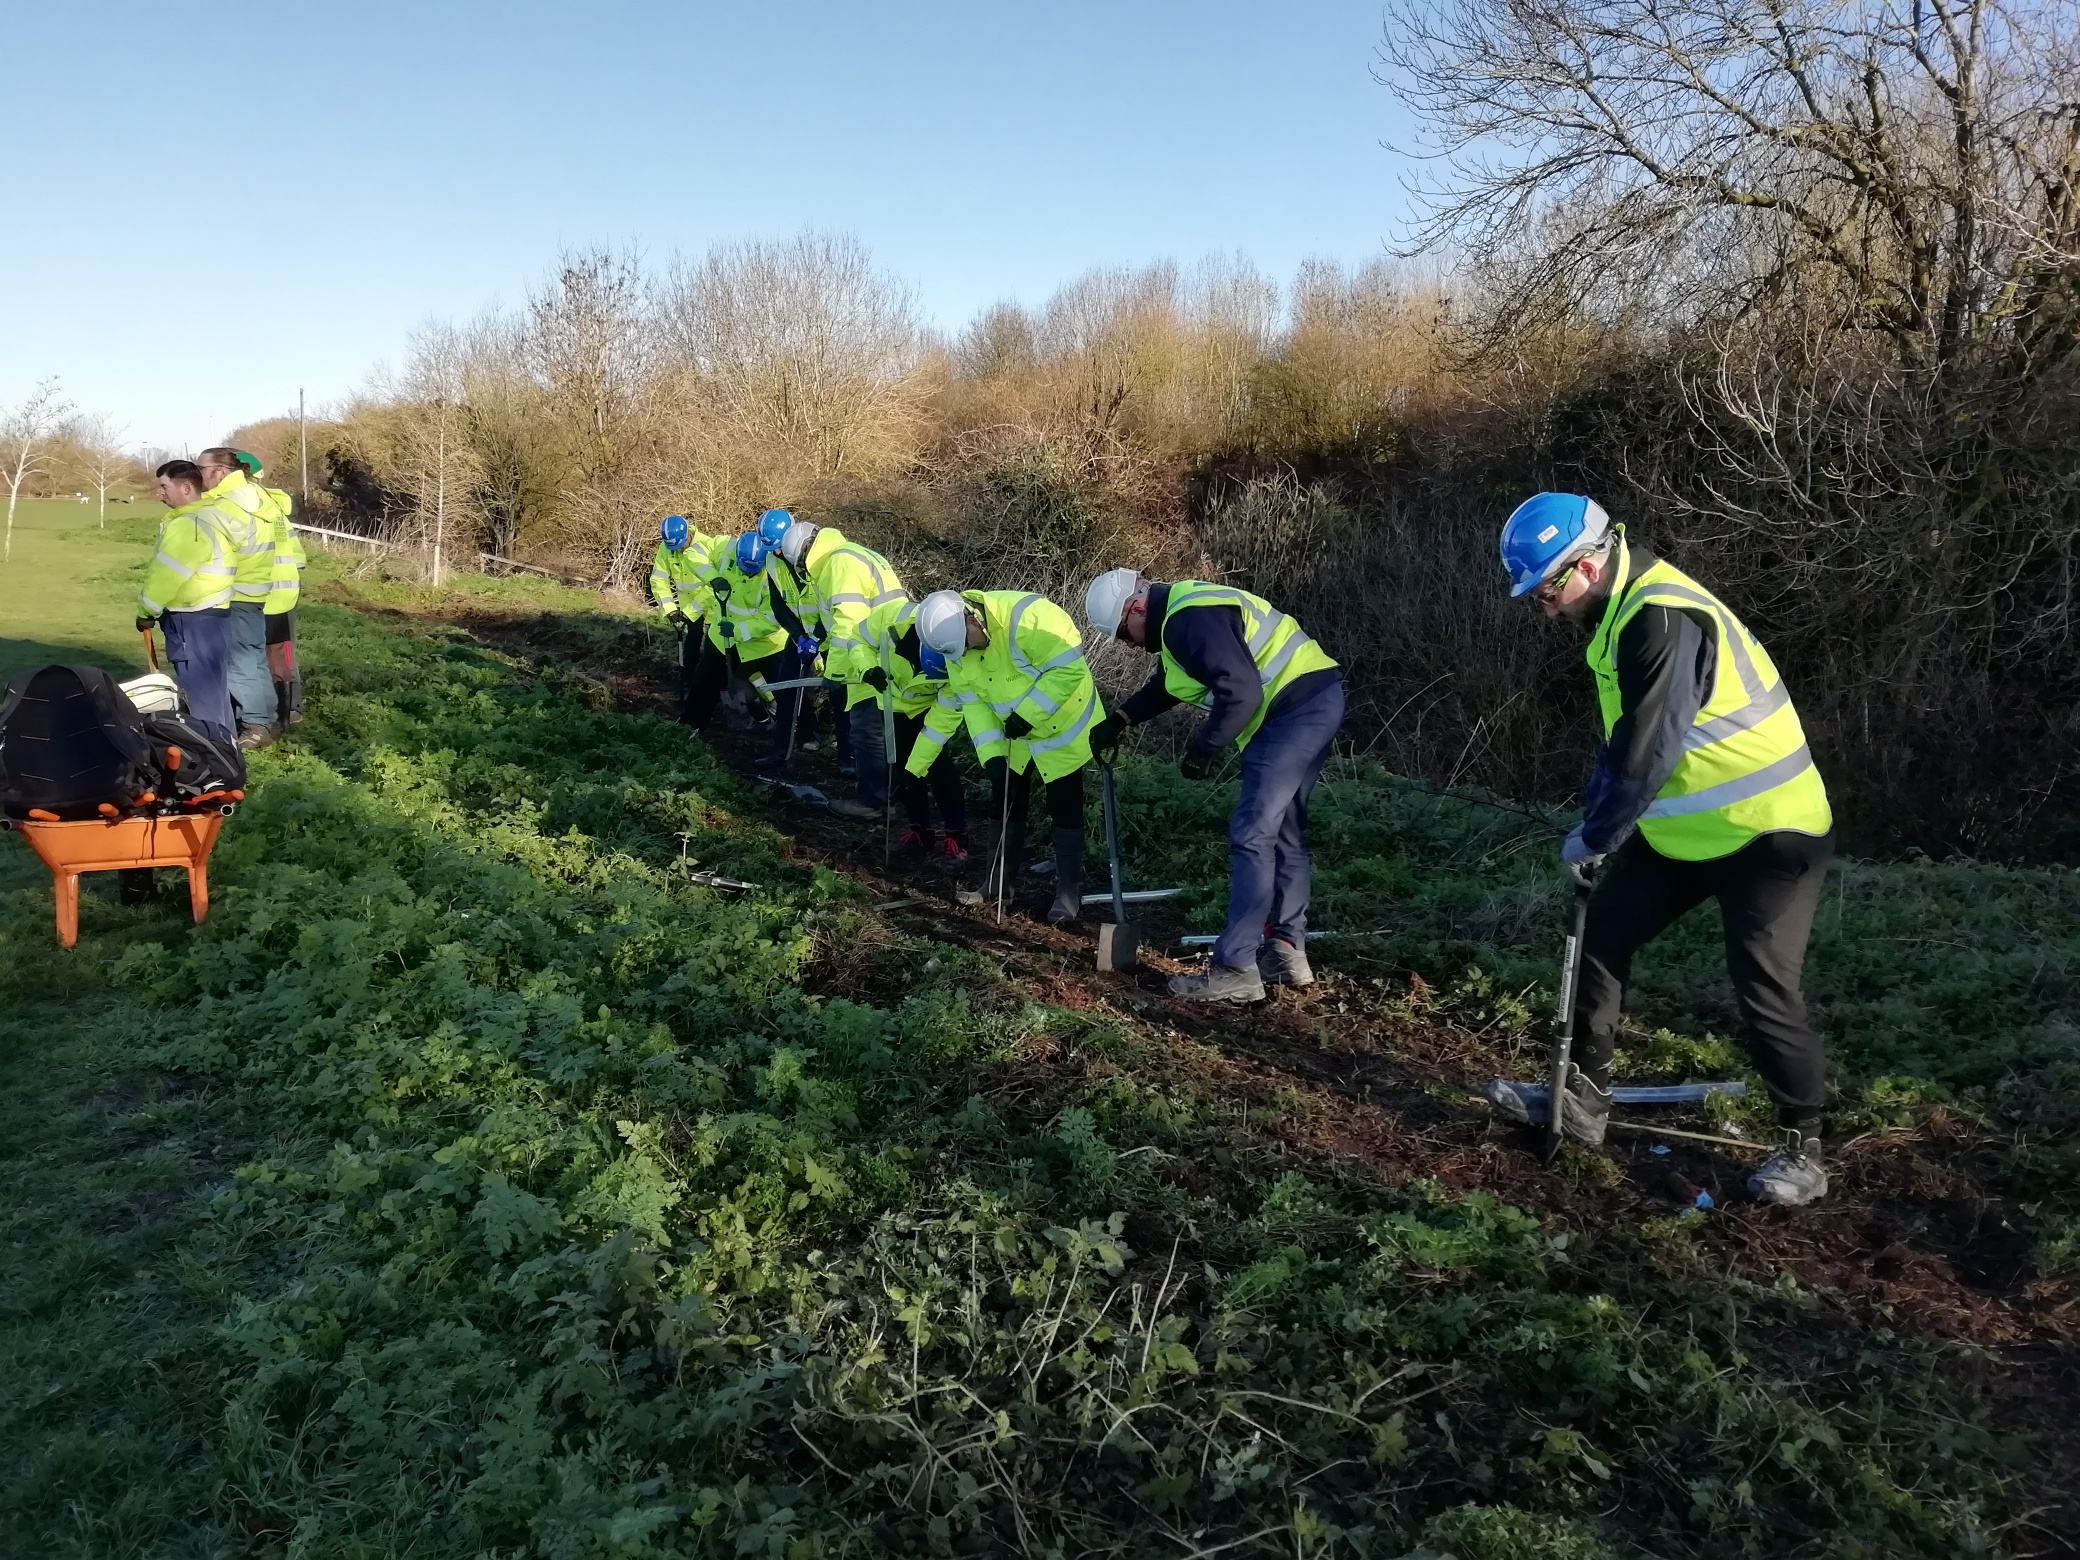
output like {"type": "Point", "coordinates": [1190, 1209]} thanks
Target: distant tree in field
{"type": "Point", "coordinates": [101, 458]}
{"type": "Point", "coordinates": [25, 433]}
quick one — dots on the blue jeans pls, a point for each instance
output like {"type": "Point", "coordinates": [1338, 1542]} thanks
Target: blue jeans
{"type": "Point", "coordinates": [1269, 872]}
{"type": "Point", "coordinates": [252, 687]}
{"type": "Point", "coordinates": [198, 648]}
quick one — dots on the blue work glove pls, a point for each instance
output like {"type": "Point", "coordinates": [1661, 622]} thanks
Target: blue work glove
{"type": "Point", "coordinates": [805, 647]}
{"type": "Point", "coordinates": [1575, 852]}
{"type": "Point", "coordinates": [1198, 763]}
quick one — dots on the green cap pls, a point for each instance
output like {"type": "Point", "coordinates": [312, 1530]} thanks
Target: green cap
{"type": "Point", "coordinates": [250, 461]}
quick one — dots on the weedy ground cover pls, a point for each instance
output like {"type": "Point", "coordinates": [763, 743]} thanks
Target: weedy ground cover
{"type": "Point", "coordinates": [578, 1209]}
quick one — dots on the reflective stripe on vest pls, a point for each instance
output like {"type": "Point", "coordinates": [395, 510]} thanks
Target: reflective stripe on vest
{"type": "Point", "coordinates": [1745, 768]}
{"type": "Point", "coordinates": [1282, 649]}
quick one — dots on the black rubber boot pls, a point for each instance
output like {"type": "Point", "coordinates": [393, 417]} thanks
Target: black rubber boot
{"type": "Point", "coordinates": [1068, 877]}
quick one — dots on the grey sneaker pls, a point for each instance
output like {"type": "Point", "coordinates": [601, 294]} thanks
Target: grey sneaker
{"type": "Point", "coordinates": [1794, 1175]}
{"type": "Point", "coordinates": [853, 807]}
{"type": "Point", "coordinates": [1219, 984]}
{"type": "Point", "coordinates": [1583, 1118]}
{"type": "Point", "coordinates": [1281, 964]}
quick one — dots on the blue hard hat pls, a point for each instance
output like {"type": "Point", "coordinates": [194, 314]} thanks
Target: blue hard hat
{"type": "Point", "coordinates": [931, 663]}
{"type": "Point", "coordinates": [674, 531]}
{"type": "Point", "coordinates": [751, 552]}
{"type": "Point", "coordinates": [1545, 532]}
{"type": "Point", "coordinates": [773, 524]}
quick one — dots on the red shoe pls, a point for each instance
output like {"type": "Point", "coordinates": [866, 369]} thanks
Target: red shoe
{"type": "Point", "coordinates": [913, 846]}
{"type": "Point", "coordinates": [951, 856]}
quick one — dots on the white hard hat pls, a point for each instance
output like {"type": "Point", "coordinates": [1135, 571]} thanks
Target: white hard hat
{"type": "Point", "coordinates": [942, 622]}
{"type": "Point", "coordinates": [1106, 600]}
{"type": "Point", "coordinates": [794, 546]}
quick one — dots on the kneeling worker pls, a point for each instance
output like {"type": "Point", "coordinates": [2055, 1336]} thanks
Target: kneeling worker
{"type": "Point", "coordinates": [1016, 676]}
{"type": "Point", "coordinates": [1269, 690]}
{"type": "Point", "coordinates": [1705, 789]}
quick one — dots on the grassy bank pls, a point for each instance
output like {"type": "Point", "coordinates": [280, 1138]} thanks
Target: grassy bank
{"type": "Point", "coordinates": [583, 1210]}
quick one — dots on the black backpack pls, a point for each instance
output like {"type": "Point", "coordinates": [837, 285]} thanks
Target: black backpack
{"type": "Point", "coordinates": [71, 742]}
{"type": "Point", "coordinates": [190, 764]}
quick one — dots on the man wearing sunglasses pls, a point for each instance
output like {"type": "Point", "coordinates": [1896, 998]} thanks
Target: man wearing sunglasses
{"type": "Point", "coordinates": [1704, 789]}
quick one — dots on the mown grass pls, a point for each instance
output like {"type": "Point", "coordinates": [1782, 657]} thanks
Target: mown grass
{"type": "Point", "coordinates": [573, 1216]}
{"type": "Point", "coordinates": [68, 592]}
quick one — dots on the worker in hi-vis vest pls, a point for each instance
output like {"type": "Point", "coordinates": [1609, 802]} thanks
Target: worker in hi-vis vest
{"type": "Point", "coordinates": [1017, 679]}
{"type": "Point", "coordinates": [253, 697]}
{"type": "Point", "coordinates": [1704, 789]}
{"type": "Point", "coordinates": [1274, 695]}
{"type": "Point", "coordinates": [679, 591]}
{"type": "Point", "coordinates": [285, 589]}
{"type": "Point", "coordinates": [187, 592]}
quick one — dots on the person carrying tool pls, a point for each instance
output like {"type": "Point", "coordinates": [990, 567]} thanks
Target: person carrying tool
{"type": "Point", "coordinates": [849, 581]}
{"type": "Point", "coordinates": [679, 591]}
{"type": "Point", "coordinates": [797, 593]}
{"type": "Point", "coordinates": [1016, 677]}
{"type": "Point", "coordinates": [1268, 690]}
{"type": "Point", "coordinates": [1704, 789]}
{"type": "Point", "coordinates": [253, 698]}
{"type": "Point", "coordinates": [912, 675]}
{"type": "Point", "coordinates": [187, 591]}
{"type": "Point", "coordinates": [285, 590]}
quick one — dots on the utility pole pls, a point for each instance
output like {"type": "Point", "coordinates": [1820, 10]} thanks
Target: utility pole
{"type": "Point", "coordinates": [440, 491]}
{"type": "Point", "coordinates": [303, 452]}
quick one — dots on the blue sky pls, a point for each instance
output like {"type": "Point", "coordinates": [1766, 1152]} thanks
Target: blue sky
{"type": "Point", "coordinates": [320, 178]}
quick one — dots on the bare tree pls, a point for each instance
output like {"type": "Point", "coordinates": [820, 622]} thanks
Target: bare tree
{"type": "Point", "coordinates": [24, 433]}
{"type": "Point", "coordinates": [102, 459]}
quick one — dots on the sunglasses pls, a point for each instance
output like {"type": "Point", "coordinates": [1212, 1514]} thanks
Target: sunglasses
{"type": "Point", "coordinates": [1550, 591]}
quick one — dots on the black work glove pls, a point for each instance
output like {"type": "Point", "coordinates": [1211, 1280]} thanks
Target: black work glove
{"type": "Point", "coordinates": [1198, 763]}
{"type": "Point", "coordinates": [678, 620]}
{"type": "Point", "coordinates": [1106, 734]}
{"type": "Point", "coordinates": [146, 625]}
{"type": "Point", "coordinates": [875, 678]}
{"type": "Point", "coordinates": [1016, 726]}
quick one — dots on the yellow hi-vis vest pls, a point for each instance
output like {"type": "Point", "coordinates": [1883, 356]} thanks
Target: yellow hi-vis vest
{"type": "Point", "coordinates": [285, 580]}
{"type": "Point", "coordinates": [910, 690]}
{"type": "Point", "coordinates": [1032, 667]}
{"type": "Point", "coordinates": [1745, 769]}
{"type": "Point", "coordinates": [242, 502]}
{"type": "Point", "coordinates": [678, 580]}
{"type": "Point", "coordinates": [1277, 643]}
{"type": "Point", "coordinates": [850, 581]}
{"type": "Point", "coordinates": [195, 562]}
{"type": "Point", "coordinates": [743, 602]}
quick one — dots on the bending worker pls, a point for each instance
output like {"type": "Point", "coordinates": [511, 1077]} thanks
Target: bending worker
{"type": "Point", "coordinates": [849, 581]}
{"type": "Point", "coordinates": [187, 590]}
{"type": "Point", "coordinates": [1267, 689]}
{"type": "Point", "coordinates": [1016, 677]}
{"type": "Point", "coordinates": [1704, 789]}
{"type": "Point", "coordinates": [752, 632]}
{"type": "Point", "coordinates": [911, 674]}
{"type": "Point", "coordinates": [679, 592]}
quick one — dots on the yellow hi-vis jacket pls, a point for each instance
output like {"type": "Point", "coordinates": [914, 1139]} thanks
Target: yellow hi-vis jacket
{"type": "Point", "coordinates": [1745, 769]}
{"type": "Point", "coordinates": [1277, 643]}
{"type": "Point", "coordinates": [289, 556]}
{"type": "Point", "coordinates": [849, 581]}
{"type": "Point", "coordinates": [678, 580]}
{"type": "Point", "coordinates": [240, 499]}
{"type": "Point", "coordinates": [910, 691]}
{"type": "Point", "coordinates": [195, 563]}
{"type": "Point", "coordinates": [742, 605]}
{"type": "Point", "coordinates": [1032, 667]}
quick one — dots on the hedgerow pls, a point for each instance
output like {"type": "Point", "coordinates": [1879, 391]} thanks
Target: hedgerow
{"type": "Point", "coordinates": [592, 1228]}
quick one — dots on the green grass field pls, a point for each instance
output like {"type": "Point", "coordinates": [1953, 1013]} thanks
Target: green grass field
{"type": "Point", "coordinates": [67, 592]}
{"type": "Point", "coordinates": [477, 1183]}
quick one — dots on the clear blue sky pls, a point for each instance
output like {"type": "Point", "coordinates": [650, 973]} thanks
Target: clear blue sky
{"type": "Point", "coordinates": [327, 176]}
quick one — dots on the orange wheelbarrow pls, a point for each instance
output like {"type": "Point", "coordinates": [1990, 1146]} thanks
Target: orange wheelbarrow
{"type": "Point", "coordinates": [126, 844]}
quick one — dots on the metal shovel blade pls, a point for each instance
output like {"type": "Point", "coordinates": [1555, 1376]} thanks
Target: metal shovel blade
{"type": "Point", "coordinates": [1118, 946]}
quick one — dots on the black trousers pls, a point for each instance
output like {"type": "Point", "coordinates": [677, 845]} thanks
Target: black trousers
{"type": "Point", "coordinates": [941, 785]}
{"type": "Point", "coordinates": [703, 686]}
{"type": "Point", "coordinates": [1768, 892]}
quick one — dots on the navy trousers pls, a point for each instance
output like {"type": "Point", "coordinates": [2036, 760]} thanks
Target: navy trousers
{"type": "Point", "coordinates": [198, 648]}
{"type": "Point", "coordinates": [1269, 871]}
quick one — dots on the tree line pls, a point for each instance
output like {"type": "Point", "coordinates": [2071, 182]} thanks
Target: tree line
{"type": "Point", "coordinates": [1792, 287]}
